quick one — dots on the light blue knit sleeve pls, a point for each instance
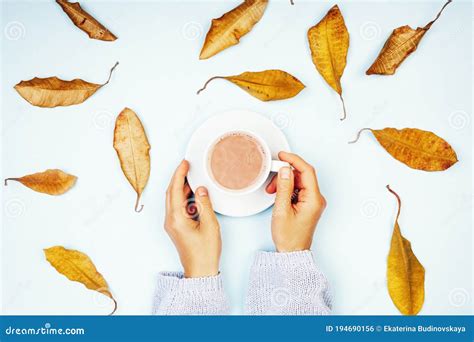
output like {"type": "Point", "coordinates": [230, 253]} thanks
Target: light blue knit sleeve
{"type": "Point", "coordinates": [176, 295]}
{"type": "Point", "coordinates": [287, 284]}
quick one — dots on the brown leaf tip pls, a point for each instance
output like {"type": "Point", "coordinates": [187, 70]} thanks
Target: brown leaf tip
{"type": "Point", "coordinates": [334, 12]}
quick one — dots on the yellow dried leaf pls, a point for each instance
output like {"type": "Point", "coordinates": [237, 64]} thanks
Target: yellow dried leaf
{"type": "Point", "coordinates": [52, 92]}
{"type": "Point", "coordinates": [329, 42]}
{"type": "Point", "coordinates": [265, 85]}
{"type": "Point", "coordinates": [402, 42]}
{"type": "Point", "coordinates": [85, 21]}
{"type": "Point", "coordinates": [227, 30]}
{"type": "Point", "coordinates": [77, 266]}
{"type": "Point", "coordinates": [421, 150]}
{"type": "Point", "coordinates": [405, 274]}
{"type": "Point", "coordinates": [132, 148]}
{"type": "Point", "coordinates": [51, 182]}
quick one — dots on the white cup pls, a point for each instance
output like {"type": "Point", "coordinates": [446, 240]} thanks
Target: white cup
{"type": "Point", "coordinates": [270, 165]}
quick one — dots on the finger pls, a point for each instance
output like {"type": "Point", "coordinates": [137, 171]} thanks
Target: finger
{"type": "Point", "coordinates": [285, 186]}
{"type": "Point", "coordinates": [307, 174]}
{"type": "Point", "coordinates": [177, 185]}
{"type": "Point", "coordinates": [207, 216]}
{"type": "Point", "coordinates": [272, 186]}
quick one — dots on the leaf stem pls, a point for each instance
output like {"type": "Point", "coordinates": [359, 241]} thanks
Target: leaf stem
{"type": "Point", "coordinates": [207, 82]}
{"type": "Point", "coordinates": [115, 306]}
{"type": "Point", "coordinates": [398, 200]}
{"type": "Point", "coordinates": [358, 135]}
{"type": "Point", "coordinates": [110, 73]}
{"type": "Point", "coordinates": [136, 205]}
{"type": "Point", "coordinates": [343, 107]}
{"type": "Point", "coordinates": [12, 179]}
{"type": "Point", "coordinates": [428, 26]}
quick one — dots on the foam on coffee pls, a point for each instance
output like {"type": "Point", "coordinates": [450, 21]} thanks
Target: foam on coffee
{"type": "Point", "coordinates": [236, 161]}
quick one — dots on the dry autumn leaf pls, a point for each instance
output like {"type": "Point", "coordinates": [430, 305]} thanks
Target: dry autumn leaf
{"type": "Point", "coordinates": [51, 182]}
{"type": "Point", "coordinates": [227, 30]}
{"type": "Point", "coordinates": [405, 274]}
{"type": "Point", "coordinates": [77, 266]}
{"type": "Point", "coordinates": [52, 92]}
{"type": "Point", "coordinates": [421, 150]}
{"type": "Point", "coordinates": [329, 42]}
{"type": "Point", "coordinates": [265, 85]}
{"type": "Point", "coordinates": [132, 148]}
{"type": "Point", "coordinates": [401, 43]}
{"type": "Point", "coordinates": [85, 21]}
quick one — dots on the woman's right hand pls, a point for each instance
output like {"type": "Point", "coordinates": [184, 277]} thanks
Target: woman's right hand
{"type": "Point", "coordinates": [195, 234]}
{"type": "Point", "coordinates": [298, 204]}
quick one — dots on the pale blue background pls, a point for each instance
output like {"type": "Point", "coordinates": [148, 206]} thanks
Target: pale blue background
{"type": "Point", "coordinates": [159, 72]}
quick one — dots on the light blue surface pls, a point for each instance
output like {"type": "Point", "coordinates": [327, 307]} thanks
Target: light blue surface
{"type": "Point", "coordinates": [158, 75]}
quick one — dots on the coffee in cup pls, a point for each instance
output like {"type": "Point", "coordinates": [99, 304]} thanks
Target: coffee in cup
{"type": "Point", "coordinates": [239, 162]}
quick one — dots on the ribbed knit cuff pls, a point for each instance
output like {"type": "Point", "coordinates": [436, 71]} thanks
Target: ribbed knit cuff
{"type": "Point", "coordinates": [176, 280]}
{"type": "Point", "coordinates": [271, 259]}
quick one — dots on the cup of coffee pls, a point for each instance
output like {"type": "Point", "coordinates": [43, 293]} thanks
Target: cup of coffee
{"type": "Point", "coordinates": [238, 162]}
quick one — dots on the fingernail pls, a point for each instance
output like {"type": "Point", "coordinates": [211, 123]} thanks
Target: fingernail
{"type": "Point", "coordinates": [202, 191]}
{"type": "Point", "coordinates": [285, 173]}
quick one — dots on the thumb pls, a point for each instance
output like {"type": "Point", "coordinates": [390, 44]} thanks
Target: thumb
{"type": "Point", "coordinates": [207, 217]}
{"type": "Point", "coordinates": [285, 185]}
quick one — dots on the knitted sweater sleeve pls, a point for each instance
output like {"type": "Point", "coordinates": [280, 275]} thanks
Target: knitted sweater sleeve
{"type": "Point", "coordinates": [177, 295]}
{"type": "Point", "coordinates": [287, 284]}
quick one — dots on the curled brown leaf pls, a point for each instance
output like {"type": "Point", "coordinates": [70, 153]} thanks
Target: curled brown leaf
{"type": "Point", "coordinates": [132, 146]}
{"type": "Point", "coordinates": [405, 274]}
{"type": "Point", "coordinates": [53, 92]}
{"type": "Point", "coordinates": [85, 21]}
{"type": "Point", "coordinates": [51, 182]}
{"type": "Point", "coordinates": [227, 30]}
{"type": "Point", "coordinates": [402, 42]}
{"type": "Point", "coordinates": [77, 266]}
{"type": "Point", "coordinates": [264, 85]}
{"type": "Point", "coordinates": [418, 149]}
{"type": "Point", "coordinates": [329, 43]}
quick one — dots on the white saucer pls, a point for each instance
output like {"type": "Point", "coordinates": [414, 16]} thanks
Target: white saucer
{"type": "Point", "coordinates": [225, 204]}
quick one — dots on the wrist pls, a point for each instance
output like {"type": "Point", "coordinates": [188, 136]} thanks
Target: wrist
{"type": "Point", "coordinates": [288, 248]}
{"type": "Point", "coordinates": [201, 271]}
